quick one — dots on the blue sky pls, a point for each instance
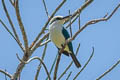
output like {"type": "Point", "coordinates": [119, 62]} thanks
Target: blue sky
{"type": "Point", "coordinates": [104, 36]}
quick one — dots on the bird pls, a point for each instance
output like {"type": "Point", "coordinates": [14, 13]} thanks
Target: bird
{"type": "Point", "coordinates": [58, 35]}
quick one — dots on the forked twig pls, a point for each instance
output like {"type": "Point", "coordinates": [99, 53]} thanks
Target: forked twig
{"type": "Point", "coordinates": [45, 8]}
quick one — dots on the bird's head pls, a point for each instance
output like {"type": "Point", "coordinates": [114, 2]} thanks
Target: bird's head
{"type": "Point", "coordinates": [60, 19]}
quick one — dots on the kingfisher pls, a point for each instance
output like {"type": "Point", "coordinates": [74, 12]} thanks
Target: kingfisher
{"type": "Point", "coordinates": [58, 35]}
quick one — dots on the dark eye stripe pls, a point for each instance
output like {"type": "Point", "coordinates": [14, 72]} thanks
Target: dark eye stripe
{"type": "Point", "coordinates": [56, 19]}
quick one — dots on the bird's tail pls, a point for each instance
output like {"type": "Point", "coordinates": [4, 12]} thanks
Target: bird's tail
{"type": "Point", "coordinates": [75, 60]}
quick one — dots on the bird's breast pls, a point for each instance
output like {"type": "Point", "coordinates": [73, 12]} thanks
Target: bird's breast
{"type": "Point", "coordinates": [56, 37]}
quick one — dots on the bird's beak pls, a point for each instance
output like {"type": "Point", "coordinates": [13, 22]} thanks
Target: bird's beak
{"type": "Point", "coordinates": [66, 18]}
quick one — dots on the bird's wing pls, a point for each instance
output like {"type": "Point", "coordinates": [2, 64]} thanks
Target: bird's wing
{"type": "Point", "coordinates": [66, 35]}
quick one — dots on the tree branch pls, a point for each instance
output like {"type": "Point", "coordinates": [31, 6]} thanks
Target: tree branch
{"type": "Point", "coordinates": [88, 2]}
{"type": "Point", "coordinates": [39, 66]}
{"type": "Point", "coordinates": [118, 62]}
{"type": "Point", "coordinates": [56, 67]}
{"type": "Point", "coordinates": [12, 26]}
{"type": "Point", "coordinates": [21, 26]}
{"type": "Point", "coordinates": [76, 14]}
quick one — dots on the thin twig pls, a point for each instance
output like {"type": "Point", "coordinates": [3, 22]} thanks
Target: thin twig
{"type": "Point", "coordinates": [84, 65]}
{"type": "Point", "coordinates": [6, 73]}
{"type": "Point", "coordinates": [39, 66]}
{"type": "Point", "coordinates": [21, 26]}
{"type": "Point", "coordinates": [64, 72]}
{"type": "Point", "coordinates": [70, 24]}
{"type": "Point", "coordinates": [12, 26]}
{"type": "Point", "coordinates": [45, 8]}
{"type": "Point", "coordinates": [7, 29]}
{"type": "Point", "coordinates": [79, 21]}
{"type": "Point", "coordinates": [69, 75]}
{"type": "Point", "coordinates": [45, 42]}
{"type": "Point", "coordinates": [33, 58]}
{"type": "Point", "coordinates": [118, 62]}
{"type": "Point", "coordinates": [56, 67]}
{"type": "Point", "coordinates": [51, 69]}
{"type": "Point", "coordinates": [46, 24]}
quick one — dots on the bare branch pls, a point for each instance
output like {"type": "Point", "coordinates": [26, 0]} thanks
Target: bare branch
{"type": "Point", "coordinates": [56, 67]}
{"type": "Point", "coordinates": [69, 64]}
{"type": "Point", "coordinates": [42, 31]}
{"type": "Point", "coordinates": [12, 26]}
{"type": "Point", "coordinates": [7, 29]}
{"type": "Point", "coordinates": [33, 58]}
{"type": "Point", "coordinates": [118, 62]}
{"type": "Point", "coordinates": [88, 2]}
{"type": "Point", "coordinates": [79, 21]}
{"type": "Point", "coordinates": [47, 41]}
{"type": "Point", "coordinates": [70, 24]}
{"type": "Point", "coordinates": [39, 66]}
{"type": "Point", "coordinates": [6, 73]}
{"type": "Point", "coordinates": [84, 65]}
{"type": "Point", "coordinates": [46, 10]}
{"type": "Point", "coordinates": [21, 26]}
{"type": "Point", "coordinates": [76, 14]}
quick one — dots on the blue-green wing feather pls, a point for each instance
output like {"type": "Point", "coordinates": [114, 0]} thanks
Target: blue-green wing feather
{"type": "Point", "coordinates": [66, 35]}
